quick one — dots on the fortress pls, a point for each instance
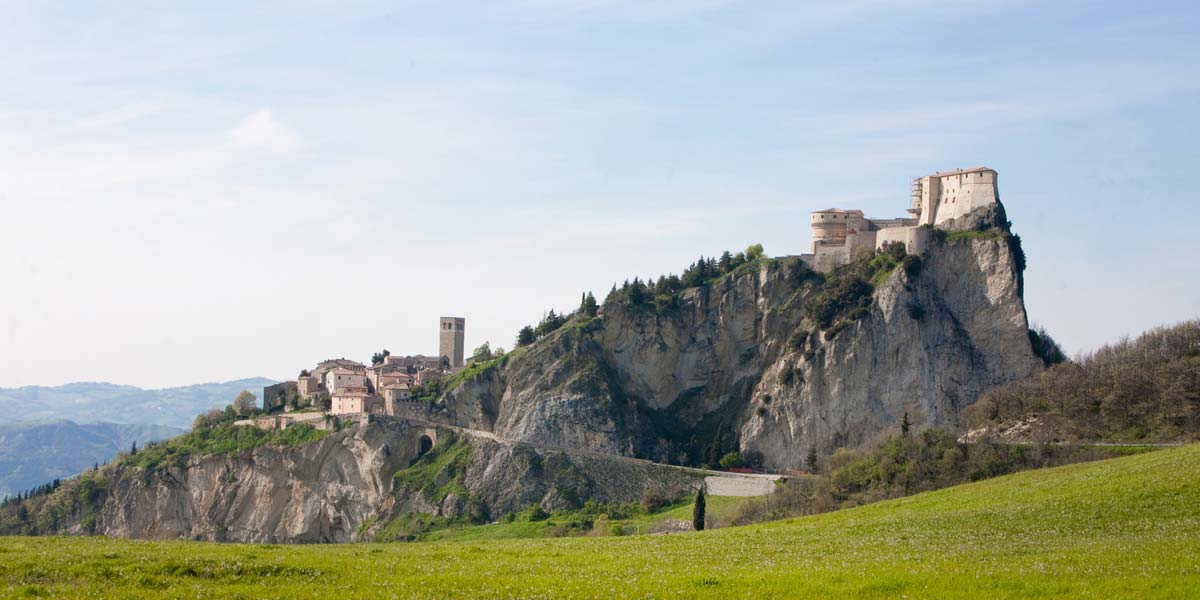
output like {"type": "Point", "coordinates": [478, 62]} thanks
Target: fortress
{"type": "Point", "coordinates": [838, 235]}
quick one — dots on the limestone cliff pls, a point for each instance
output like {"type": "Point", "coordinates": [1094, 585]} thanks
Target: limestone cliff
{"type": "Point", "coordinates": [769, 359]}
{"type": "Point", "coordinates": [345, 487]}
{"type": "Point", "coordinates": [742, 364]}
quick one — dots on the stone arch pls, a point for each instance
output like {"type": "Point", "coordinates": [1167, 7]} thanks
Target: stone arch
{"type": "Point", "coordinates": [426, 442]}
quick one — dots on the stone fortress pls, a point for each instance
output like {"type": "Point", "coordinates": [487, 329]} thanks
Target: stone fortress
{"type": "Point", "coordinates": [347, 387]}
{"type": "Point", "coordinates": [838, 235]}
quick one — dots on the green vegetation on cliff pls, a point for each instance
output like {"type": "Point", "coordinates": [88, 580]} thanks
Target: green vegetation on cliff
{"type": "Point", "coordinates": [438, 472]}
{"type": "Point", "coordinates": [54, 507]}
{"type": "Point", "coordinates": [224, 438]}
{"type": "Point", "coordinates": [1127, 527]}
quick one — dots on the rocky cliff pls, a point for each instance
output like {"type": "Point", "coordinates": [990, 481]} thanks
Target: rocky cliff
{"type": "Point", "coordinates": [769, 359]}
{"type": "Point", "coordinates": [350, 485]}
{"type": "Point", "coordinates": [772, 359]}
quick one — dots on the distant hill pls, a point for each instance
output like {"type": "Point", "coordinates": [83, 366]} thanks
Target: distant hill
{"type": "Point", "coordinates": [106, 402]}
{"type": "Point", "coordinates": [1141, 390]}
{"type": "Point", "coordinates": [35, 453]}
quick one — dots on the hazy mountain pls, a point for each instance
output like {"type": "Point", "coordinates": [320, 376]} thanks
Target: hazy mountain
{"type": "Point", "coordinates": [33, 453]}
{"type": "Point", "coordinates": [106, 402]}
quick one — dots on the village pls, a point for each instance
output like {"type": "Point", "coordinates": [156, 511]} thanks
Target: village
{"type": "Point", "coordinates": [345, 387]}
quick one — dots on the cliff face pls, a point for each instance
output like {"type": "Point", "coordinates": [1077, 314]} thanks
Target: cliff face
{"type": "Point", "coordinates": [344, 487]}
{"type": "Point", "coordinates": [739, 364]}
{"type": "Point", "coordinates": [320, 492]}
{"type": "Point", "coordinates": [770, 360]}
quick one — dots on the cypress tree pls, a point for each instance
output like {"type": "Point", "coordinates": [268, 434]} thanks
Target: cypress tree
{"type": "Point", "coordinates": [698, 510]}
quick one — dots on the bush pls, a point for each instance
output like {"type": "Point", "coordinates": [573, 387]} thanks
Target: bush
{"type": "Point", "coordinates": [654, 500]}
{"type": "Point", "coordinates": [537, 513]}
{"type": "Point", "coordinates": [1044, 346]}
{"type": "Point", "coordinates": [732, 460]}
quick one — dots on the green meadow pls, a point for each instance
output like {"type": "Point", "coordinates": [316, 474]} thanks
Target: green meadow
{"type": "Point", "coordinates": [1122, 528]}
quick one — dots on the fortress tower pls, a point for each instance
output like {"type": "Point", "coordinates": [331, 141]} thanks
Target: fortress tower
{"type": "Point", "coordinates": [450, 340]}
{"type": "Point", "coordinates": [936, 200]}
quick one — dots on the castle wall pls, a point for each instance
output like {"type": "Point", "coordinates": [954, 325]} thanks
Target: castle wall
{"type": "Point", "coordinates": [915, 239]}
{"type": "Point", "coordinates": [825, 258]}
{"type": "Point", "coordinates": [960, 193]}
{"type": "Point", "coordinates": [839, 235]}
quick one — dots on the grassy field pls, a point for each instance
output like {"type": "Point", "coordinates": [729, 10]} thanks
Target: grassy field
{"type": "Point", "coordinates": [1123, 528]}
{"type": "Point", "coordinates": [719, 508]}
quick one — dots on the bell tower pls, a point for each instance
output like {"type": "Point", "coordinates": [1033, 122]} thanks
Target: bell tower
{"type": "Point", "coordinates": [450, 340]}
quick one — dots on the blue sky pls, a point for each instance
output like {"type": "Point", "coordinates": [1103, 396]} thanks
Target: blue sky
{"type": "Point", "coordinates": [211, 191]}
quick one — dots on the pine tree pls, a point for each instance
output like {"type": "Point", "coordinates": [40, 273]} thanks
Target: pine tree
{"type": "Point", "coordinates": [637, 292]}
{"type": "Point", "coordinates": [698, 510]}
{"type": "Point", "coordinates": [905, 424]}
{"type": "Point", "coordinates": [723, 265]}
{"type": "Point", "coordinates": [811, 460]}
{"type": "Point", "coordinates": [133, 448]}
{"type": "Point", "coordinates": [588, 306]}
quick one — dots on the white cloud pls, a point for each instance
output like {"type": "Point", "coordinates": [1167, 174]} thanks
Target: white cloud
{"type": "Point", "coordinates": [261, 130]}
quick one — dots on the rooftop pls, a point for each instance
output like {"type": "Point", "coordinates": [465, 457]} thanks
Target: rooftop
{"type": "Point", "coordinates": [961, 171]}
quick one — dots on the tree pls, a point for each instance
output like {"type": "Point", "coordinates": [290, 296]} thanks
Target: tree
{"type": "Point", "coordinates": [133, 448]}
{"type": "Point", "coordinates": [732, 460]}
{"type": "Point", "coordinates": [811, 460]}
{"type": "Point", "coordinates": [754, 252]}
{"type": "Point", "coordinates": [723, 264]}
{"type": "Point", "coordinates": [305, 373]}
{"type": "Point", "coordinates": [905, 424]}
{"type": "Point", "coordinates": [482, 353]}
{"type": "Point", "coordinates": [245, 403]}
{"type": "Point", "coordinates": [588, 306]}
{"type": "Point", "coordinates": [377, 358]}
{"type": "Point", "coordinates": [698, 510]}
{"type": "Point", "coordinates": [525, 336]}
{"type": "Point", "coordinates": [637, 292]}
{"type": "Point", "coordinates": [207, 418]}
{"type": "Point", "coordinates": [1045, 347]}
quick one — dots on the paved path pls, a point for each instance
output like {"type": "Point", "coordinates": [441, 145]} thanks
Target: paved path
{"type": "Point", "coordinates": [724, 485]}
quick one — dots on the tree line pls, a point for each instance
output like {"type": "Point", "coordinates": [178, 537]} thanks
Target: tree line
{"type": "Point", "coordinates": [1135, 390]}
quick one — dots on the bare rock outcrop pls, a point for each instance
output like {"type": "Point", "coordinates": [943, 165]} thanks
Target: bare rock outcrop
{"type": "Point", "coordinates": [343, 487]}
{"type": "Point", "coordinates": [739, 364]}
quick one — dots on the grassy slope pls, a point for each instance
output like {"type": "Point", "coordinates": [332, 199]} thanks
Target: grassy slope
{"type": "Point", "coordinates": [1127, 527]}
{"type": "Point", "coordinates": [720, 507]}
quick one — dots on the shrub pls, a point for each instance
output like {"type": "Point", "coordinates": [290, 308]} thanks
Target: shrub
{"type": "Point", "coordinates": [912, 265]}
{"type": "Point", "coordinates": [537, 513]}
{"type": "Point", "coordinates": [732, 460]}
{"type": "Point", "coordinates": [654, 500]}
{"type": "Point", "coordinates": [1045, 347]}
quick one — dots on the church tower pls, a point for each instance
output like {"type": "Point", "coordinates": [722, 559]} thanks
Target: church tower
{"type": "Point", "coordinates": [450, 341]}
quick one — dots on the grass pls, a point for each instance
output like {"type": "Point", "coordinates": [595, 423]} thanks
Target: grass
{"type": "Point", "coordinates": [986, 234]}
{"type": "Point", "coordinates": [226, 438]}
{"type": "Point", "coordinates": [1122, 528]}
{"type": "Point", "coordinates": [720, 508]}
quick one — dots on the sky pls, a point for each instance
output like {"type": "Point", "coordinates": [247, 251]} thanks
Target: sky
{"type": "Point", "coordinates": [196, 192]}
